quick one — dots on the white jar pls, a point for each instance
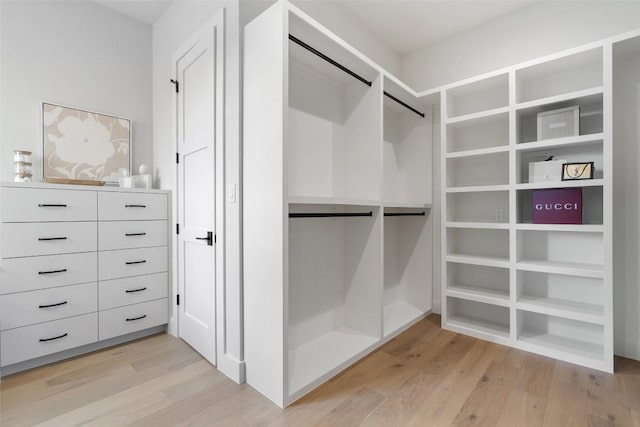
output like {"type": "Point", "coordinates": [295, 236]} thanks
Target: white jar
{"type": "Point", "coordinates": [23, 168]}
{"type": "Point", "coordinates": [18, 177]}
{"type": "Point", "coordinates": [22, 156]}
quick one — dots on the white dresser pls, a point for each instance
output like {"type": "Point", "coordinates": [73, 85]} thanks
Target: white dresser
{"type": "Point", "coordinates": [79, 266]}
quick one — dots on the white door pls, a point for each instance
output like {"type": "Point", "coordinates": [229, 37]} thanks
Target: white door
{"type": "Point", "coordinates": [198, 72]}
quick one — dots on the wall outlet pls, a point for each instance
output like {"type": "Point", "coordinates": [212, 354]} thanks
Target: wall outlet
{"type": "Point", "coordinates": [498, 214]}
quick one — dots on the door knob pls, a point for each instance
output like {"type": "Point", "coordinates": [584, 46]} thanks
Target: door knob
{"type": "Point", "coordinates": [209, 238]}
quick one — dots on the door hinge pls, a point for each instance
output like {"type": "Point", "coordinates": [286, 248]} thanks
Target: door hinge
{"type": "Point", "coordinates": [177, 228]}
{"type": "Point", "coordinates": [177, 84]}
{"type": "Point", "coordinates": [215, 238]}
{"type": "Point", "coordinates": [177, 157]}
{"type": "Point", "coordinates": [178, 299]}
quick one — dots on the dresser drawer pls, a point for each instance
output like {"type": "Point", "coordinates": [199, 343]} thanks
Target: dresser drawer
{"type": "Point", "coordinates": [48, 238]}
{"type": "Point", "coordinates": [131, 262]}
{"type": "Point", "coordinates": [28, 274]}
{"type": "Point", "coordinates": [33, 341]}
{"type": "Point", "coordinates": [41, 205]}
{"type": "Point", "coordinates": [124, 320]}
{"type": "Point", "coordinates": [132, 290]}
{"type": "Point", "coordinates": [131, 234]}
{"type": "Point", "coordinates": [29, 308]}
{"type": "Point", "coordinates": [116, 206]}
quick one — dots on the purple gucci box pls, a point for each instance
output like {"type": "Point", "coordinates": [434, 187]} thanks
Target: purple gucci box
{"type": "Point", "coordinates": [557, 206]}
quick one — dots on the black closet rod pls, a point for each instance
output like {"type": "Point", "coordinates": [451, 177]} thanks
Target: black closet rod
{"type": "Point", "coordinates": [405, 214]}
{"type": "Point", "coordinates": [329, 60]}
{"type": "Point", "coordinates": [348, 71]}
{"type": "Point", "coordinates": [388, 95]}
{"type": "Point", "coordinates": [328, 214]}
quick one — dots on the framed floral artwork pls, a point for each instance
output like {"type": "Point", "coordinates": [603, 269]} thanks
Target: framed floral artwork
{"type": "Point", "coordinates": [83, 145]}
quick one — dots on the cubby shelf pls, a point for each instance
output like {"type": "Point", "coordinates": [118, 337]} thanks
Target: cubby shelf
{"type": "Point", "coordinates": [590, 313]}
{"type": "Point", "coordinates": [481, 225]}
{"type": "Point", "coordinates": [561, 98]}
{"type": "Point", "coordinates": [487, 296]}
{"type": "Point", "coordinates": [479, 115]}
{"type": "Point", "coordinates": [477, 152]}
{"type": "Point", "coordinates": [560, 184]}
{"type": "Point", "coordinates": [571, 141]}
{"type": "Point", "coordinates": [540, 287]}
{"type": "Point", "coordinates": [567, 268]}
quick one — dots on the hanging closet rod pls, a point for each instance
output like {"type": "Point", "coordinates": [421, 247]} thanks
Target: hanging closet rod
{"type": "Point", "coordinates": [348, 71]}
{"type": "Point", "coordinates": [388, 95]}
{"type": "Point", "coordinates": [329, 60]}
{"type": "Point", "coordinates": [328, 215]}
{"type": "Point", "coordinates": [405, 214]}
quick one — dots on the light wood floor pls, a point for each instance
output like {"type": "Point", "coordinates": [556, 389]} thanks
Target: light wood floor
{"type": "Point", "coordinates": [424, 377]}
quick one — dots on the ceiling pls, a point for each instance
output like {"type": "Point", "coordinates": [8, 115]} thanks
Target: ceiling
{"type": "Point", "coordinates": [143, 10]}
{"type": "Point", "coordinates": [403, 25]}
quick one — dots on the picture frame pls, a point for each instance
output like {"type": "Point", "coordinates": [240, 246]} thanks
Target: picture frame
{"type": "Point", "coordinates": [577, 171]}
{"type": "Point", "coordinates": [79, 145]}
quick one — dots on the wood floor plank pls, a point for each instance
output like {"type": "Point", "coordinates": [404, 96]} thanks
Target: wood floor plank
{"type": "Point", "coordinates": [426, 376]}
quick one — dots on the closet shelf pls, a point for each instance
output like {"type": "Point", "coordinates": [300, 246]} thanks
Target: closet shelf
{"type": "Point", "coordinates": [583, 312]}
{"type": "Point", "coordinates": [560, 347]}
{"type": "Point", "coordinates": [480, 225]}
{"type": "Point", "coordinates": [571, 141]}
{"type": "Point", "coordinates": [475, 116]}
{"type": "Point", "coordinates": [561, 184]}
{"type": "Point", "coordinates": [478, 188]}
{"type": "Point", "coordinates": [566, 268]}
{"type": "Point", "coordinates": [583, 228]}
{"type": "Point", "coordinates": [479, 327]}
{"type": "Point", "coordinates": [478, 260]}
{"type": "Point", "coordinates": [399, 314]}
{"type": "Point", "coordinates": [407, 204]}
{"type": "Point", "coordinates": [561, 98]}
{"type": "Point", "coordinates": [310, 200]}
{"type": "Point", "coordinates": [477, 152]}
{"type": "Point", "coordinates": [488, 296]}
{"type": "Point", "coordinates": [313, 361]}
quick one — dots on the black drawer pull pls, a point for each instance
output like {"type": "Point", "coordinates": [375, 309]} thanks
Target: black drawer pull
{"type": "Point", "coordinates": [136, 262]}
{"type": "Point", "coordinates": [52, 271]}
{"type": "Point", "coordinates": [135, 234]}
{"type": "Point", "coordinates": [130, 291]}
{"type": "Point", "coordinates": [43, 205]}
{"type": "Point", "coordinates": [131, 319]}
{"type": "Point", "coordinates": [42, 239]}
{"type": "Point", "coordinates": [53, 305]}
{"type": "Point", "coordinates": [54, 338]}
{"type": "Point", "coordinates": [135, 206]}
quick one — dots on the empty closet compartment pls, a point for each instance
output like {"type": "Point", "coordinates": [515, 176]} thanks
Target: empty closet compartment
{"type": "Point", "coordinates": [575, 297]}
{"type": "Point", "coordinates": [584, 152]}
{"type": "Point", "coordinates": [407, 266]}
{"type": "Point", "coordinates": [556, 248]}
{"type": "Point", "coordinates": [482, 283]}
{"type": "Point", "coordinates": [482, 132]}
{"type": "Point", "coordinates": [490, 169]}
{"type": "Point", "coordinates": [334, 289]}
{"type": "Point", "coordinates": [407, 147]}
{"type": "Point", "coordinates": [481, 206]}
{"type": "Point", "coordinates": [478, 318]}
{"type": "Point", "coordinates": [592, 213]}
{"type": "Point", "coordinates": [590, 118]}
{"type": "Point", "coordinates": [333, 121]}
{"type": "Point", "coordinates": [482, 243]}
{"type": "Point", "coordinates": [479, 96]}
{"type": "Point", "coordinates": [560, 338]}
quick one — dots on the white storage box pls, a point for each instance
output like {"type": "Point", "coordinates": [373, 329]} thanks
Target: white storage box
{"type": "Point", "coordinates": [551, 170]}
{"type": "Point", "coordinates": [559, 123]}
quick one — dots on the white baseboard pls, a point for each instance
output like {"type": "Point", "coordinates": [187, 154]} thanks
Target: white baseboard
{"type": "Point", "coordinates": [233, 368]}
{"type": "Point", "coordinates": [436, 307]}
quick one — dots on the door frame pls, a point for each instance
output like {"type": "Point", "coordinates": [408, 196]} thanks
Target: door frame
{"type": "Point", "coordinates": [218, 22]}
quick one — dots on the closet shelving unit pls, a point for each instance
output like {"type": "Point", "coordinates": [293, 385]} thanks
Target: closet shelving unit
{"type": "Point", "coordinates": [545, 288]}
{"type": "Point", "coordinates": [337, 199]}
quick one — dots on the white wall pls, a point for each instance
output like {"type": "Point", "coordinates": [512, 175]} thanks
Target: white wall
{"type": "Point", "coordinates": [535, 31]}
{"type": "Point", "coordinates": [626, 184]}
{"type": "Point", "coordinates": [170, 32]}
{"type": "Point", "coordinates": [79, 54]}
{"type": "Point", "coordinates": [528, 33]}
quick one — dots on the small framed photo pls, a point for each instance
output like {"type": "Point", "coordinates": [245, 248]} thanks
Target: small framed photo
{"type": "Point", "coordinates": [574, 171]}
